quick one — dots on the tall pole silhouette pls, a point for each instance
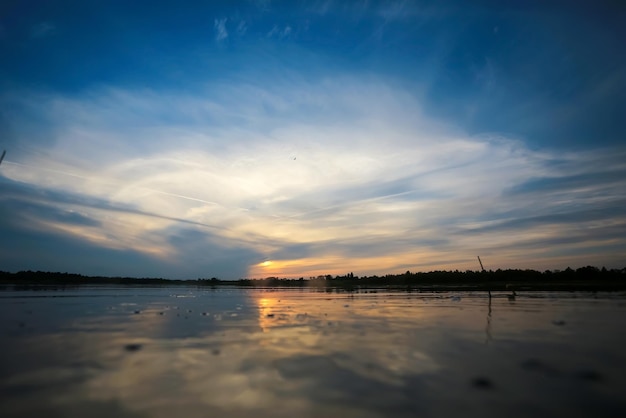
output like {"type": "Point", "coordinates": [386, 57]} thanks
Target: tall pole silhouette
{"type": "Point", "coordinates": [481, 264]}
{"type": "Point", "coordinates": [489, 290]}
{"type": "Point", "coordinates": [3, 154]}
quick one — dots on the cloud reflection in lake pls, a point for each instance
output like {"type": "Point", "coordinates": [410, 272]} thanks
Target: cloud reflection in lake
{"type": "Point", "coordinates": [238, 352]}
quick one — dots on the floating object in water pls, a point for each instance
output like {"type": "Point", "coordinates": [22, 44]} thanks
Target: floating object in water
{"type": "Point", "coordinates": [558, 322]}
{"type": "Point", "coordinates": [482, 383]}
{"type": "Point", "coordinates": [133, 347]}
{"type": "Point", "coordinates": [532, 364]}
{"type": "Point", "coordinates": [590, 375]}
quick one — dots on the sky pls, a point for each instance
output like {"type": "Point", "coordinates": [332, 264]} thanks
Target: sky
{"type": "Point", "coordinates": [230, 139]}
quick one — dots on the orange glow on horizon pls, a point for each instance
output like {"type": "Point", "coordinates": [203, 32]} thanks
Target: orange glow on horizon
{"type": "Point", "coordinates": [313, 267]}
{"type": "Point", "coordinates": [322, 266]}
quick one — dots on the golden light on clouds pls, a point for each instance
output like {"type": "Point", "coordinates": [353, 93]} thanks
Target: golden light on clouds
{"type": "Point", "coordinates": [214, 201]}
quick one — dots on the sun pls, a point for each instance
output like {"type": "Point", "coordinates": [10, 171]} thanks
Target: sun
{"type": "Point", "coordinates": [266, 263]}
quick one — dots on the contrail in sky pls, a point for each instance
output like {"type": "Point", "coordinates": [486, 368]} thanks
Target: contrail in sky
{"type": "Point", "coordinates": [113, 181]}
{"type": "Point", "coordinates": [52, 170]}
{"type": "Point", "coordinates": [342, 205]}
{"type": "Point", "coordinates": [184, 197]}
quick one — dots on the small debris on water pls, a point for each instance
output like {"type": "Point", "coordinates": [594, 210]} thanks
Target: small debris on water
{"type": "Point", "coordinates": [456, 298]}
{"type": "Point", "coordinates": [133, 347]}
{"type": "Point", "coordinates": [532, 364]}
{"type": "Point", "coordinates": [590, 375]}
{"type": "Point", "coordinates": [216, 351]}
{"type": "Point", "coordinates": [137, 312]}
{"type": "Point", "coordinates": [558, 322]}
{"type": "Point", "coordinates": [482, 383]}
{"type": "Point", "coordinates": [270, 315]}
{"type": "Point", "coordinates": [535, 365]}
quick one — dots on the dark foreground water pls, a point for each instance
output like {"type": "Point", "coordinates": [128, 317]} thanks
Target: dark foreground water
{"type": "Point", "coordinates": [186, 352]}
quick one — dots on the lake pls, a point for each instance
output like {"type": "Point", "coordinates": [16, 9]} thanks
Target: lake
{"type": "Point", "coordinates": [232, 352]}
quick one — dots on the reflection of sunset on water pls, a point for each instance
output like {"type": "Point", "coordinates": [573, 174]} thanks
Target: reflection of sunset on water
{"type": "Point", "coordinates": [266, 305]}
{"type": "Point", "coordinates": [297, 352]}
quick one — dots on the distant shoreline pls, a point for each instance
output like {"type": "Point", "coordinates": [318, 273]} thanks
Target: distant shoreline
{"type": "Point", "coordinates": [582, 279]}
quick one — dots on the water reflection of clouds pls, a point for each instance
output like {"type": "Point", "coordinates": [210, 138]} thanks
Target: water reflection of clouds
{"type": "Point", "coordinates": [291, 352]}
{"type": "Point", "coordinates": [336, 329]}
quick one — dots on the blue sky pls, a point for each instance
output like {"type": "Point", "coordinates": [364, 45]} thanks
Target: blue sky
{"type": "Point", "coordinates": [254, 138]}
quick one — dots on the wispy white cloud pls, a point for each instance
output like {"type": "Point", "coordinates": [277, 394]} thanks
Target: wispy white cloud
{"type": "Point", "coordinates": [219, 26]}
{"type": "Point", "coordinates": [344, 174]}
{"type": "Point", "coordinates": [280, 33]}
{"type": "Point", "coordinates": [42, 30]}
{"type": "Point", "coordinates": [242, 28]}
{"type": "Point", "coordinates": [262, 5]}
{"type": "Point", "coordinates": [394, 10]}
{"type": "Point", "coordinates": [320, 7]}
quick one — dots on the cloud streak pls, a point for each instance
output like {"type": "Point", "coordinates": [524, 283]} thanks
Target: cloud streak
{"type": "Point", "coordinates": [42, 30]}
{"type": "Point", "coordinates": [334, 175]}
{"type": "Point", "coordinates": [221, 34]}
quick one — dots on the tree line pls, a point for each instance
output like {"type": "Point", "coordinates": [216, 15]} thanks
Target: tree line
{"type": "Point", "coordinates": [584, 278]}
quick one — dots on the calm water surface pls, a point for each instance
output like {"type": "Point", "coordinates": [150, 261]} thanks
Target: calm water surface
{"type": "Point", "coordinates": [188, 352]}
